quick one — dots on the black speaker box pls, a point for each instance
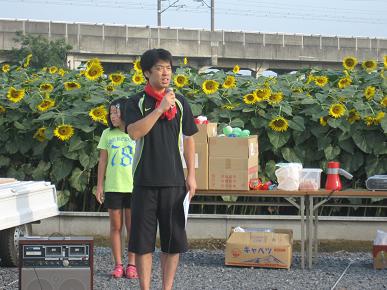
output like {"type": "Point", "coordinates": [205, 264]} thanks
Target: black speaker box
{"type": "Point", "coordinates": [56, 263]}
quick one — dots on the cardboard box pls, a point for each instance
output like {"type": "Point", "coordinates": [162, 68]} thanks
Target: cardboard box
{"type": "Point", "coordinates": [379, 252]}
{"type": "Point", "coordinates": [201, 165]}
{"type": "Point", "coordinates": [233, 147]}
{"type": "Point", "coordinates": [232, 173]}
{"type": "Point", "coordinates": [205, 131]}
{"type": "Point", "coordinates": [260, 249]}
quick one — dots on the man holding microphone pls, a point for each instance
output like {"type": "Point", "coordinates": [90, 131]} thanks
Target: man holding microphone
{"type": "Point", "coordinates": [156, 119]}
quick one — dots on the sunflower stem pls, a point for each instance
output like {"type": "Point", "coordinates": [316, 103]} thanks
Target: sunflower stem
{"type": "Point", "coordinates": [372, 110]}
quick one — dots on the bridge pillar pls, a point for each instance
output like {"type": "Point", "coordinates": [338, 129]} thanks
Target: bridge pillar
{"type": "Point", "coordinates": [214, 53]}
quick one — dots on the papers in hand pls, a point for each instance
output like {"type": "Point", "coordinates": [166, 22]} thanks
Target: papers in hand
{"type": "Point", "coordinates": [186, 207]}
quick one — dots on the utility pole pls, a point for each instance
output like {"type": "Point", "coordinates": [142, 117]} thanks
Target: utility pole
{"type": "Point", "coordinates": [212, 15]}
{"type": "Point", "coordinates": [158, 13]}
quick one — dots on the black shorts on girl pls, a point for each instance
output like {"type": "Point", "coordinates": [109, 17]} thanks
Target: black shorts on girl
{"type": "Point", "coordinates": [117, 200]}
{"type": "Point", "coordinates": [165, 206]}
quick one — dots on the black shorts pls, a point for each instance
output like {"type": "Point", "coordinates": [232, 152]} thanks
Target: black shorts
{"type": "Point", "coordinates": [165, 206]}
{"type": "Point", "coordinates": [117, 200]}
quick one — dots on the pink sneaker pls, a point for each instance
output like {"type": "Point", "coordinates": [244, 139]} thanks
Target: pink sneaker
{"type": "Point", "coordinates": [118, 271]}
{"type": "Point", "coordinates": [131, 272]}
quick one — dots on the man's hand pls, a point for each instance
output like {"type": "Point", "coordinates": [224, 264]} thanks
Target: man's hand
{"type": "Point", "coordinates": [168, 101]}
{"type": "Point", "coordinates": [190, 183]}
{"type": "Point", "coordinates": [100, 195]}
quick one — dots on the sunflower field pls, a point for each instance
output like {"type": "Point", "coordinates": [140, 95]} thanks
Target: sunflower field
{"type": "Point", "coordinates": [51, 120]}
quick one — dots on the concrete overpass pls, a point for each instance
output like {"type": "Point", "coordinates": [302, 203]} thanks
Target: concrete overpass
{"type": "Point", "coordinates": [254, 51]}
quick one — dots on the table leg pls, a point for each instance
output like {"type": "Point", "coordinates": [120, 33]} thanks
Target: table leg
{"type": "Point", "coordinates": [315, 234]}
{"type": "Point", "coordinates": [307, 236]}
{"type": "Point", "coordinates": [310, 233]}
{"type": "Point", "coordinates": [302, 212]}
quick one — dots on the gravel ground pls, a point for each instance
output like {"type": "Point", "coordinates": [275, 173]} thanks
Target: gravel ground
{"type": "Point", "coordinates": [204, 269]}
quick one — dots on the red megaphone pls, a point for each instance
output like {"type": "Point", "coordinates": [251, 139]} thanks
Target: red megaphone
{"type": "Point", "coordinates": [333, 179]}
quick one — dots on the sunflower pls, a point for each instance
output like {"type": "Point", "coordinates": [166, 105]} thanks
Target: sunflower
{"type": "Point", "coordinates": [210, 87]}
{"type": "Point", "coordinates": [250, 99]}
{"type": "Point", "coordinates": [236, 69]}
{"type": "Point", "coordinates": [275, 98]}
{"type": "Point", "coordinates": [52, 69]}
{"type": "Point", "coordinates": [185, 61]}
{"type": "Point", "coordinates": [117, 79]}
{"type": "Point", "coordinates": [71, 86]}
{"type": "Point", "coordinates": [110, 88]}
{"type": "Point", "coordinates": [321, 81]}
{"type": "Point", "coordinates": [138, 78]}
{"type": "Point", "coordinates": [344, 82]}
{"type": "Point", "coordinates": [64, 132]}
{"type": "Point", "coordinates": [61, 72]}
{"type": "Point", "coordinates": [229, 82]}
{"type": "Point", "coordinates": [383, 102]}
{"type": "Point", "coordinates": [46, 104]}
{"type": "Point", "coordinates": [137, 65]}
{"type": "Point", "coordinates": [2, 109]}
{"type": "Point", "coordinates": [337, 110]}
{"type": "Point", "coordinates": [94, 71]}
{"type": "Point", "coordinates": [324, 121]}
{"type": "Point", "coordinates": [353, 116]}
{"type": "Point", "coordinates": [262, 94]}
{"type": "Point", "coordinates": [385, 61]}
{"type": "Point", "coordinates": [180, 80]}
{"type": "Point", "coordinates": [6, 68]}
{"type": "Point", "coordinates": [279, 124]}
{"type": "Point", "coordinates": [369, 92]}
{"type": "Point", "coordinates": [27, 60]}
{"type": "Point", "coordinates": [349, 62]}
{"type": "Point", "coordinates": [15, 95]}
{"type": "Point", "coordinates": [310, 79]}
{"type": "Point", "coordinates": [98, 114]}
{"type": "Point", "coordinates": [297, 90]}
{"type": "Point", "coordinates": [369, 121]}
{"type": "Point", "coordinates": [46, 88]}
{"type": "Point", "coordinates": [40, 134]}
{"type": "Point", "coordinates": [370, 65]}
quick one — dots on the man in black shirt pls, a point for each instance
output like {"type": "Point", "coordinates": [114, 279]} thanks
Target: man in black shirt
{"type": "Point", "coordinates": [156, 119]}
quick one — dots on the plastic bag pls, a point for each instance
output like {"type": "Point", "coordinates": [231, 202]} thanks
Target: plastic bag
{"type": "Point", "coordinates": [288, 176]}
{"type": "Point", "coordinates": [381, 238]}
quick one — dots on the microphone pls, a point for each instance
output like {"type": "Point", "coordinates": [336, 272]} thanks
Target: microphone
{"type": "Point", "coordinates": [167, 90]}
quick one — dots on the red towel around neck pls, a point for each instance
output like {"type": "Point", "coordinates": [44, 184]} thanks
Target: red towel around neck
{"type": "Point", "coordinates": [170, 114]}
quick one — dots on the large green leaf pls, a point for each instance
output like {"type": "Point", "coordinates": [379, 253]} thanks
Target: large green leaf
{"type": "Point", "coordinates": [237, 123]}
{"type": "Point", "coordinates": [383, 123]}
{"type": "Point", "coordinates": [297, 123]}
{"type": "Point", "coordinates": [4, 161]}
{"type": "Point", "coordinates": [347, 145]}
{"type": "Point", "coordinates": [361, 141]}
{"type": "Point", "coordinates": [76, 143]}
{"type": "Point", "coordinates": [41, 171]}
{"type": "Point", "coordinates": [278, 139]}
{"type": "Point", "coordinates": [61, 168]}
{"type": "Point", "coordinates": [79, 179]}
{"type": "Point", "coordinates": [331, 152]}
{"type": "Point", "coordinates": [196, 109]}
{"type": "Point", "coordinates": [290, 155]}
{"type": "Point", "coordinates": [63, 197]}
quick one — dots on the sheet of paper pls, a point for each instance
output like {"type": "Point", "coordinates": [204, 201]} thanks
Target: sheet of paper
{"type": "Point", "coordinates": [186, 207]}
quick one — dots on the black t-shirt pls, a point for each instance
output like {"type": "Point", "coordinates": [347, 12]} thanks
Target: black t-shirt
{"type": "Point", "coordinates": [157, 160]}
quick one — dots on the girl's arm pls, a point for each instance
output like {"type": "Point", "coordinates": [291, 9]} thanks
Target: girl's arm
{"type": "Point", "coordinates": [103, 156]}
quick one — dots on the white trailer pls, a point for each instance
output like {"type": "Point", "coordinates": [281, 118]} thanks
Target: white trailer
{"type": "Point", "coordinates": [22, 203]}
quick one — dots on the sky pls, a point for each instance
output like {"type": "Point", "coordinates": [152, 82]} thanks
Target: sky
{"type": "Point", "coordinates": [329, 17]}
